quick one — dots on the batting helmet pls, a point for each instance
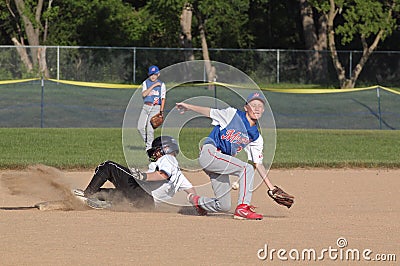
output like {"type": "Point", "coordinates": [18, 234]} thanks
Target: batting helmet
{"type": "Point", "coordinates": [162, 145]}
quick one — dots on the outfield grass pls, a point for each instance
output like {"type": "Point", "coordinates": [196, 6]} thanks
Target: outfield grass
{"type": "Point", "coordinates": [73, 148]}
{"type": "Point", "coordinates": [63, 148]}
{"type": "Point", "coordinates": [337, 148]}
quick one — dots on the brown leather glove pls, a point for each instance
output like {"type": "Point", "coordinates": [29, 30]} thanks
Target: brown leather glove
{"type": "Point", "coordinates": [157, 120]}
{"type": "Point", "coordinates": [281, 197]}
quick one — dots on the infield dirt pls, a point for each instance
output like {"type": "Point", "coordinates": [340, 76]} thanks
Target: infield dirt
{"type": "Point", "coordinates": [358, 207]}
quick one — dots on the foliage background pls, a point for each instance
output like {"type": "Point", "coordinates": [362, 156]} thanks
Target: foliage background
{"type": "Point", "coordinates": [258, 24]}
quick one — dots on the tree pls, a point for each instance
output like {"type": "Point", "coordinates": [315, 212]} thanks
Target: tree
{"type": "Point", "coordinates": [214, 23]}
{"type": "Point", "coordinates": [220, 22]}
{"type": "Point", "coordinates": [369, 20]}
{"type": "Point", "coordinates": [109, 23]}
{"type": "Point", "coordinates": [186, 33]}
{"type": "Point", "coordinates": [30, 22]}
{"type": "Point", "coordinates": [31, 25]}
{"type": "Point", "coordinates": [266, 20]}
{"type": "Point", "coordinates": [201, 21]}
{"type": "Point", "coordinates": [225, 22]}
{"type": "Point", "coordinates": [315, 40]}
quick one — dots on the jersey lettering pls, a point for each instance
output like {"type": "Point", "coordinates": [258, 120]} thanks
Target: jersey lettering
{"type": "Point", "coordinates": [154, 95]}
{"type": "Point", "coordinates": [235, 136]}
{"type": "Point", "coordinates": [154, 92]}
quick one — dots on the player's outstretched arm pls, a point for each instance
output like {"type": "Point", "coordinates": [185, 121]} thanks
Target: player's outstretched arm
{"type": "Point", "coordinates": [182, 107]}
{"type": "Point", "coordinates": [151, 176]}
{"type": "Point", "coordinates": [157, 176]}
{"type": "Point", "coordinates": [263, 173]}
{"type": "Point", "coordinates": [275, 192]}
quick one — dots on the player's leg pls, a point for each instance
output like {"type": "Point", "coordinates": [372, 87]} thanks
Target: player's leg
{"type": "Point", "coordinates": [216, 162]}
{"type": "Point", "coordinates": [121, 177]}
{"type": "Point", "coordinates": [142, 123]}
{"type": "Point", "coordinates": [224, 165]}
{"type": "Point", "coordinates": [150, 131]}
{"type": "Point", "coordinates": [97, 181]}
{"type": "Point", "coordinates": [222, 201]}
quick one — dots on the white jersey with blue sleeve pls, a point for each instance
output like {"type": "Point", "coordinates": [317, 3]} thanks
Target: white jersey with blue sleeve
{"type": "Point", "coordinates": [232, 133]}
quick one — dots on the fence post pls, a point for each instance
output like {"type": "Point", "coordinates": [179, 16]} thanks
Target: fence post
{"type": "Point", "coordinates": [42, 104]}
{"type": "Point", "coordinates": [379, 107]}
{"type": "Point", "coordinates": [58, 62]}
{"type": "Point", "coordinates": [350, 64]}
{"type": "Point", "coordinates": [277, 65]}
{"type": "Point", "coordinates": [134, 65]}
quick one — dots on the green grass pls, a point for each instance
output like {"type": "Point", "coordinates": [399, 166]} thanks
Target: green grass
{"type": "Point", "coordinates": [73, 148]}
{"type": "Point", "coordinates": [62, 148]}
{"type": "Point", "coordinates": [337, 148]}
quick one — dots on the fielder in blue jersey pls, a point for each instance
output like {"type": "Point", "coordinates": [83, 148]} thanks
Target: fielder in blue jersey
{"type": "Point", "coordinates": [234, 130]}
{"type": "Point", "coordinates": [153, 93]}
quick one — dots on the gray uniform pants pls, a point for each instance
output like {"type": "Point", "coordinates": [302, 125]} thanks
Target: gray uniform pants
{"type": "Point", "coordinates": [219, 166]}
{"type": "Point", "coordinates": [144, 127]}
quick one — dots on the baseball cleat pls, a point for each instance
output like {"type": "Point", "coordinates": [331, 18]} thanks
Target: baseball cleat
{"type": "Point", "coordinates": [98, 204]}
{"type": "Point", "coordinates": [194, 199]}
{"type": "Point", "coordinates": [79, 194]}
{"type": "Point", "coordinates": [91, 202]}
{"type": "Point", "coordinates": [246, 212]}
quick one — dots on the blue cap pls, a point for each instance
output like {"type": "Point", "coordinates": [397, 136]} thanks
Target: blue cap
{"type": "Point", "coordinates": [153, 70]}
{"type": "Point", "coordinates": [256, 96]}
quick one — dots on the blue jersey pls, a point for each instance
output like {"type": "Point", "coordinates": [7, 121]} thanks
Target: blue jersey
{"type": "Point", "coordinates": [156, 94]}
{"type": "Point", "coordinates": [232, 131]}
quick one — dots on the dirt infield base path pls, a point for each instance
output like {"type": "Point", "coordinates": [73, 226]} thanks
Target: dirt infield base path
{"type": "Point", "coordinates": [338, 214]}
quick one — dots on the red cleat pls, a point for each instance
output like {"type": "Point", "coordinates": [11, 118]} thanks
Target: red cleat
{"type": "Point", "coordinates": [246, 212]}
{"type": "Point", "coordinates": [194, 199]}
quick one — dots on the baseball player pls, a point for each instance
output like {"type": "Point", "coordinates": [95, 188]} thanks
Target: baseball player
{"type": "Point", "coordinates": [153, 93]}
{"type": "Point", "coordinates": [163, 179]}
{"type": "Point", "coordinates": [234, 130]}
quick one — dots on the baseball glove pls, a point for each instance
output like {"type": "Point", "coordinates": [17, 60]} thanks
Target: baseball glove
{"type": "Point", "coordinates": [157, 120]}
{"type": "Point", "coordinates": [281, 197]}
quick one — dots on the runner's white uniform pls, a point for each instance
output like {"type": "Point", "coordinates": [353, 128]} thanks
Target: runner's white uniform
{"type": "Point", "coordinates": [176, 182]}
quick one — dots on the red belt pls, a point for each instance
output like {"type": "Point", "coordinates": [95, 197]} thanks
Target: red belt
{"type": "Point", "coordinates": [151, 104]}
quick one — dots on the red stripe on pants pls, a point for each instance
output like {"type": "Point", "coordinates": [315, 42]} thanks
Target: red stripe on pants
{"type": "Point", "coordinates": [245, 171]}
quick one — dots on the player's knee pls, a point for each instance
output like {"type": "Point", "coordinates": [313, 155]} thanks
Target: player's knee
{"type": "Point", "coordinates": [249, 170]}
{"type": "Point", "coordinates": [105, 167]}
{"type": "Point", "coordinates": [141, 128]}
{"type": "Point", "coordinates": [223, 206]}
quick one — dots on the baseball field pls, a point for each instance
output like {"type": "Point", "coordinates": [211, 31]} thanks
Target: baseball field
{"type": "Point", "coordinates": [346, 210]}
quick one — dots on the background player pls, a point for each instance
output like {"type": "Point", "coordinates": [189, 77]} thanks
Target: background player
{"type": "Point", "coordinates": [233, 131]}
{"type": "Point", "coordinates": [153, 93]}
{"type": "Point", "coordinates": [163, 179]}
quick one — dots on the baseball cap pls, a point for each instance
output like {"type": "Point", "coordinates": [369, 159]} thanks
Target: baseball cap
{"type": "Point", "coordinates": [256, 96]}
{"type": "Point", "coordinates": [153, 70]}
